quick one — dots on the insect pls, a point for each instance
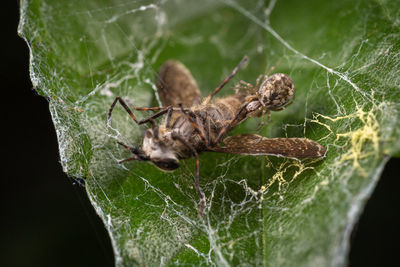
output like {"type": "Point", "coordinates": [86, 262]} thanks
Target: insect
{"type": "Point", "coordinates": [192, 125]}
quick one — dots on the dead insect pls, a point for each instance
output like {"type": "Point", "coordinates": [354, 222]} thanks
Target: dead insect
{"type": "Point", "coordinates": [193, 125]}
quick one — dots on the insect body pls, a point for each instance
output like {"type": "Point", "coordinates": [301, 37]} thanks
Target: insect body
{"type": "Point", "coordinates": [193, 125]}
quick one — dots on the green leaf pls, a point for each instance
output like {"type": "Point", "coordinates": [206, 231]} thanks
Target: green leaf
{"type": "Point", "coordinates": [344, 59]}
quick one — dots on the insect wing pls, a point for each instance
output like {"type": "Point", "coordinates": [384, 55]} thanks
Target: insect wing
{"type": "Point", "coordinates": [251, 144]}
{"type": "Point", "coordinates": [176, 85]}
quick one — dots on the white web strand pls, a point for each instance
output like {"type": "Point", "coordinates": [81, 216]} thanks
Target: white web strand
{"type": "Point", "coordinates": [269, 29]}
{"type": "Point", "coordinates": [232, 209]}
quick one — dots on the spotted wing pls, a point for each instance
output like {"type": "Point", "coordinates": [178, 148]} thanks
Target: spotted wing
{"type": "Point", "coordinates": [176, 85]}
{"type": "Point", "coordinates": [251, 144]}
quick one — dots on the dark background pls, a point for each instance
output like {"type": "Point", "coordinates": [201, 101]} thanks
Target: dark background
{"type": "Point", "coordinates": [46, 217]}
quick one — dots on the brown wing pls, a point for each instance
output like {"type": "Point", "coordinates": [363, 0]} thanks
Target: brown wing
{"type": "Point", "coordinates": [251, 144]}
{"type": "Point", "coordinates": [176, 85]}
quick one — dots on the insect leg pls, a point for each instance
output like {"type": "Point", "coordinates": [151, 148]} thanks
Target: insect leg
{"type": "Point", "coordinates": [285, 106]}
{"type": "Point", "coordinates": [142, 108]}
{"type": "Point", "coordinates": [154, 116]}
{"type": "Point", "coordinates": [197, 128]}
{"type": "Point", "coordinates": [239, 117]}
{"type": "Point", "coordinates": [147, 108]}
{"type": "Point", "coordinates": [226, 80]}
{"type": "Point", "coordinates": [247, 86]}
{"type": "Point", "coordinates": [124, 105]}
{"type": "Point", "coordinates": [263, 120]}
{"type": "Point", "coordinates": [168, 119]}
{"type": "Point", "coordinates": [273, 67]}
{"type": "Point", "coordinates": [208, 130]}
{"type": "Point", "coordinates": [161, 112]}
{"type": "Point", "coordinates": [258, 81]}
{"type": "Point", "coordinates": [197, 178]}
{"type": "Point", "coordinates": [197, 185]}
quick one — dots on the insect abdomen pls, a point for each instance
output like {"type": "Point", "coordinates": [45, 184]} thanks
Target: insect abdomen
{"type": "Point", "coordinates": [217, 115]}
{"type": "Point", "coordinates": [209, 119]}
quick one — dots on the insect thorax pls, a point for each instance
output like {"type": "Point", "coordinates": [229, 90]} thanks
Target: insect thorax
{"type": "Point", "coordinates": [208, 118]}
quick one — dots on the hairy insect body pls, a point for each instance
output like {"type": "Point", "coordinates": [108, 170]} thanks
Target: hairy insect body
{"type": "Point", "coordinates": [276, 91]}
{"type": "Point", "coordinates": [190, 128]}
{"type": "Point", "coordinates": [213, 117]}
{"type": "Point", "coordinates": [210, 120]}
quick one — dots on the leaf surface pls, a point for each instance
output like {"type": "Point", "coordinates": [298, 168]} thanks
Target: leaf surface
{"type": "Point", "coordinates": [343, 57]}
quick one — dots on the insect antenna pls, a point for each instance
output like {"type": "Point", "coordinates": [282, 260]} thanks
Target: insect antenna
{"type": "Point", "coordinates": [128, 159]}
{"type": "Point", "coordinates": [138, 154]}
{"type": "Point", "coordinates": [197, 177]}
{"type": "Point", "coordinates": [226, 80]}
{"type": "Point", "coordinates": [155, 129]}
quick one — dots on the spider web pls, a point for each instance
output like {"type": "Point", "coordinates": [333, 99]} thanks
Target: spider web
{"type": "Point", "coordinates": [260, 210]}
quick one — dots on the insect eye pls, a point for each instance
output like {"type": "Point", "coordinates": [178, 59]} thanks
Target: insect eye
{"type": "Point", "coordinates": [148, 133]}
{"type": "Point", "coordinates": [167, 164]}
